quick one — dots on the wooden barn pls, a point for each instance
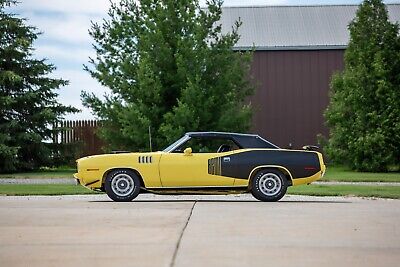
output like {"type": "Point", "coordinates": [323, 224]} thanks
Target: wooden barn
{"type": "Point", "coordinates": [297, 49]}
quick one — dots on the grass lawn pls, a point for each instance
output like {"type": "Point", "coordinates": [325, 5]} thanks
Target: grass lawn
{"type": "Point", "coordinates": [51, 173]}
{"type": "Point", "coordinates": [313, 190]}
{"type": "Point", "coordinates": [43, 189]}
{"type": "Point", "coordinates": [346, 190]}
{"type": "Point", "coordinates": [343, 174]}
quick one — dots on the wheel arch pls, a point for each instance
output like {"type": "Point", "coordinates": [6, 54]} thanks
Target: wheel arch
{"type": "Point", "coordinates": [123, 168]}
{"type": "Point", "coordinates": [283, 169]}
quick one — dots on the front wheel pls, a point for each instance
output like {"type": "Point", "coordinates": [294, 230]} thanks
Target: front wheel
{"type": "Point", "coordinates": [122, 185]}
{"type": "Point", "coordinates": [268, 185]}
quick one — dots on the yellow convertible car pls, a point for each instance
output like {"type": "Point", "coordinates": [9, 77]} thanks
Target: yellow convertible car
{"type": "Point", "coordinates": [203, 163]}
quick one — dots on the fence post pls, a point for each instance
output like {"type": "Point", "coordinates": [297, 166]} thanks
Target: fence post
{"type": "Point", "coordinates": [82, 131]}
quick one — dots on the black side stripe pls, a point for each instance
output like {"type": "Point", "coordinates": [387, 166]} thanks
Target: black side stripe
{"type": "Point", "coordinates": [299, 164]}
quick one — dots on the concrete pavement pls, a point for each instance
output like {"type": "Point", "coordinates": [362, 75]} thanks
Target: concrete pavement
{"type": "Point", "coordinates": [231, 230]}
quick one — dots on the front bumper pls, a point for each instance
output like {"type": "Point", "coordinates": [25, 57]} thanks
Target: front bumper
{"type": "Point", "coordinates": [77, 181]}
{"type": "Point", "coordinates": [90, 180]}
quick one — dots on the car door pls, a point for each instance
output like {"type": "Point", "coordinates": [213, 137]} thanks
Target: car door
{"type": "Point", "coordinates": [190, 170]}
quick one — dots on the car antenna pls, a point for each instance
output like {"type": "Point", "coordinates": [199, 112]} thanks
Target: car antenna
{"type": "Point", "coordinates": [150, 138]}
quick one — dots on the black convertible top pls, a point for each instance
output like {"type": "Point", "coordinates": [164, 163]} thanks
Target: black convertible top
{"type": "Point", "coordinates": [242, 140]}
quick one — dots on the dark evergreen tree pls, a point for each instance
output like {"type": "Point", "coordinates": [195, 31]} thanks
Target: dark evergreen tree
{"type": "Point", "coordinates": [28, 105]}
{"type": "Point", "coordinates": [170, 68]}
{"type": "Point", "coordinates": [364, 112]}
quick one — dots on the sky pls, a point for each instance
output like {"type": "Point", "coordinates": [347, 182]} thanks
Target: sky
{"type": "Point", "coordinates": [65, 41]}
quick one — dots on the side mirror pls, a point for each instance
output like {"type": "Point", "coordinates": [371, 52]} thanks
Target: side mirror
{"type": "Point", "coordinates": [187, 151]}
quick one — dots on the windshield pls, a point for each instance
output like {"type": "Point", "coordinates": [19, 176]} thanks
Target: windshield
{"type": "Point", "coordinates": [176, 143]}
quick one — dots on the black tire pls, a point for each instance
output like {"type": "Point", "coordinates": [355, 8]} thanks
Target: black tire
{"type": "Point", "coordinates": [268, 185]}
{"type": "Point", "coordinates": [122, 185]}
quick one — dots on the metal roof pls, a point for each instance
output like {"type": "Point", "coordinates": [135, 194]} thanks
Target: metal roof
{"type": "Point", "coordinates": [294, 27]}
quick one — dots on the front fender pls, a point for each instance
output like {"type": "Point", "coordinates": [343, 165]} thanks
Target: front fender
{"type": "Point", "coordinates": [93, 170]}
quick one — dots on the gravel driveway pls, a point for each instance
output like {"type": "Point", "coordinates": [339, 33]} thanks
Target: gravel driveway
{"type": "Point", "coordinates": [37, 181]}
{"type": "Point", "coordinates": [72, 181]}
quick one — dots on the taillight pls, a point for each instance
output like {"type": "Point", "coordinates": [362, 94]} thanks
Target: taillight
{"type": "Point", "coordinates": [310, 168]}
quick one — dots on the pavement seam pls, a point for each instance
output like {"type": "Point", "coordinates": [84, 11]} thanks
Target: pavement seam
{"type": "Point", "coordinates": [181, 235]}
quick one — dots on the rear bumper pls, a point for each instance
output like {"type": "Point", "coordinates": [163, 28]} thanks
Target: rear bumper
{"type": "Point", "coordinates": [322, 164]}
{"type": "Point", "coordinates": [307, 180]}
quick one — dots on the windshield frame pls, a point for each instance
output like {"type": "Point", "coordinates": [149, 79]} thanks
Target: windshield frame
{"type": "Point", "coordinates": [177, 143]}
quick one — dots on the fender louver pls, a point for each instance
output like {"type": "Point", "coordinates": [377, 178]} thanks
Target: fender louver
{"type": "Point", "coordinates": [145, 159]}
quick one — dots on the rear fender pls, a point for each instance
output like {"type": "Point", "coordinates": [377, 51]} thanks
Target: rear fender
{"type": "Point", "coordinates": [284, 170]}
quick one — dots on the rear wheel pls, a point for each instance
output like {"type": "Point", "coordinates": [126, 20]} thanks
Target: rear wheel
{"type": "Point", "coordinates": [268, 185]}
{"type": "Point", "coordinates": [122, 185]}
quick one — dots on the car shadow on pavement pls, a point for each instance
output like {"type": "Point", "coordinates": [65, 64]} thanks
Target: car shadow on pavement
{"type": "Point", "coordinates": [227, 201]}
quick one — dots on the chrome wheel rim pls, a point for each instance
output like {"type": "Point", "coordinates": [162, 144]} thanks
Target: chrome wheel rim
{"type": "Point", "coordinates": [122, 184]}
{"type": "Point", "coordinates": [270, 184]}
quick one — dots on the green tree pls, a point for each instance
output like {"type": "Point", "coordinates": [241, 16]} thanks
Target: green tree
{"type": "Point", "coordinates": [169, 67]}
{"type": "Point", "coordinates": [28, 102]}
{"type": "Point", "coordinates": [364, 110]}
